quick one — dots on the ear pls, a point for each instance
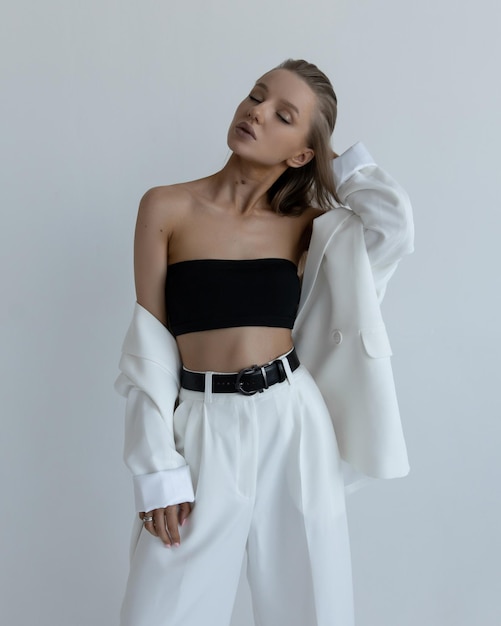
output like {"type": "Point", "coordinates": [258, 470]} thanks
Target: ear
{"type": "Point", "coordinates": [301, 159]}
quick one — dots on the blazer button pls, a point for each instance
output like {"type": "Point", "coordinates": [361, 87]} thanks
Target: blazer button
{"type": "Point", "coordinates": [337, 335]}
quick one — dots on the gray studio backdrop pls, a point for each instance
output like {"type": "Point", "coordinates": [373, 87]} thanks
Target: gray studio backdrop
{"type": "Point", "coordinates": [103, 99]}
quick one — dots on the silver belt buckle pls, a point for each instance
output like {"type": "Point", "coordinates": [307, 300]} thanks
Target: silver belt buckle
{"type": "Point", "coordinates": [238, 383]}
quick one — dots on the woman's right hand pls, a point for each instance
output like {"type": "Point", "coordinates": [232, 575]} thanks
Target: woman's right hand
{"type": "Point", "coordinates": [166, 522]}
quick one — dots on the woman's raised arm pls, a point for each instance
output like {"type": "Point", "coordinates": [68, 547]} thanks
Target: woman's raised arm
{"type": "Point", "coordinates": [383, 206]}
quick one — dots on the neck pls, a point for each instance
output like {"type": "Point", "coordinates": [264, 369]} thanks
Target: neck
{"type": "Point", "coordinates": [242, 186]}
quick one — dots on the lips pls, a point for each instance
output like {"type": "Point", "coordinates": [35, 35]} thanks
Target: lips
{"type": "Point", "coordinates": [247, 128]}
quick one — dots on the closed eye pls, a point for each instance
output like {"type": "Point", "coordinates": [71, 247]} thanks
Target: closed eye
{"type": "Point", "coordinates": [281, 117]}
{"type": "Point", "coordinates": [285, 121]}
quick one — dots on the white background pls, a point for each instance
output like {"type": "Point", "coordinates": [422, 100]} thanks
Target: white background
{"type": "Point", "coordinates": [103, 99]}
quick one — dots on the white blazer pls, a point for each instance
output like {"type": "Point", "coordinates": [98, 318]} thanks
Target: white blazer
{"type": "Point", "coordinates": [339, 334]}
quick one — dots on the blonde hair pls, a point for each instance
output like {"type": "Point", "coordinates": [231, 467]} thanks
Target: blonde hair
{"type": "Point", "coordinates": [313, 183]}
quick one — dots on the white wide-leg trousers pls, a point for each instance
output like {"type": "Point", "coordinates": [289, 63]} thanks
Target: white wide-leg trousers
{"type": "Point", "coordinates": [267, 477]}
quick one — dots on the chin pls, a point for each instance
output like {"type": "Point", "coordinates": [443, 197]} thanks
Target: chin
{"type": "Point", "coordinates": [236, 146]}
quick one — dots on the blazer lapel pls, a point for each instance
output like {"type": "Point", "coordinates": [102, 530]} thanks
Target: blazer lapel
{"type": "Point", "coordinates": [324, 228]}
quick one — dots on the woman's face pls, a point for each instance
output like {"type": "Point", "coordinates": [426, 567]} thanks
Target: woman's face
{"type": "Point", "coordinates": [272, 124]}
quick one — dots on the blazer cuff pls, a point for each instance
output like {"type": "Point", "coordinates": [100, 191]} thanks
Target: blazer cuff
{"type": "Point", "coordinates": [164, 488]}
{"type": "Point", "coordinates": [353, 159]}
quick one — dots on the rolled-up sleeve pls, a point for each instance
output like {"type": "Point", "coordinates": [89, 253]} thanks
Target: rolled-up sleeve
{"type": "Point", "coordinates": [149, 380]}
{"type": "Point", "coordinates": [160, 474]}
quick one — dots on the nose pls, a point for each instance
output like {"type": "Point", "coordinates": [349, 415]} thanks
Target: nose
{"type": "Point", "coordinates": [254, 113]}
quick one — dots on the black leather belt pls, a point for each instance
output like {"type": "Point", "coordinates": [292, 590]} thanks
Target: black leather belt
{"type": "Point", "coordinates": [248, 381]}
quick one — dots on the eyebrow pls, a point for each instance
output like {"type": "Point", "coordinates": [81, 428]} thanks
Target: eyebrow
{"type": "Point", "coordinates": [287, 102]}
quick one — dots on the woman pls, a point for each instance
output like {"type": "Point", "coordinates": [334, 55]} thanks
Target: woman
{"type": "Point", "coordinates": [256, 367]}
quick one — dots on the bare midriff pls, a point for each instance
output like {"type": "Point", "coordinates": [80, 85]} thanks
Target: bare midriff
{"type": "Point", "coordinates": [232, 349]}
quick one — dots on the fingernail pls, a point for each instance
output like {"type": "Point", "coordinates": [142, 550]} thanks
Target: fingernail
{"type": "Point", "coordinates": [184, 521]}
{"type": "Point", "coordinates": [167, 545]}
{"type": "Point", "coordinates": [176, 543]}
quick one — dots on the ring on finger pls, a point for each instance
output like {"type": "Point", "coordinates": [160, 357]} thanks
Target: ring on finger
{"type": "Point", "coordinates": [147, 519]}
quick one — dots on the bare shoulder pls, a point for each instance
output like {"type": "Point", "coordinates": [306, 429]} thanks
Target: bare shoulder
{"type": "Point", "coordinates": [160, 209]}
{"type": "Point", "coordinates": [163, 205]}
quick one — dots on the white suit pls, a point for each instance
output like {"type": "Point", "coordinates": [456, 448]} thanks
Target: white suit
{"type": "Point", "coordinates": [342, 342]}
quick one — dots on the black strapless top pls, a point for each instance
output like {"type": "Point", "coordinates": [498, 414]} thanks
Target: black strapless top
{"type": "Point", "coordinates": [204, 294]}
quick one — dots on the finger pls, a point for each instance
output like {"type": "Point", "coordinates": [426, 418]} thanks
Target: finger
{"type": "Point", "coordinates": [150, 526]}
{"type": "Point", "coordinates": [160, 526]}
{"type": "Point", "coordinates": [184, 511]}
{"type": "Point", "coordinates": [172, 523]}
